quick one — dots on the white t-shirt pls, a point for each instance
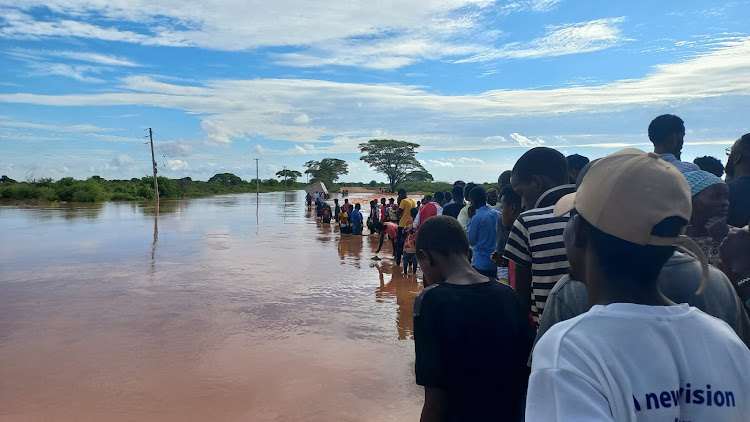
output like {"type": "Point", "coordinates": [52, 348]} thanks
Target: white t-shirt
{"type": "Point", "coordinates": [628, 362]}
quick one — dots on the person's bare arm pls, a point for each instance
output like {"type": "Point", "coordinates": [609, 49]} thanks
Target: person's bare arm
{"type": "Point", "coordinates": [380, 244]}
{"type": "Point", "coordinates": [434, 409]}
{"type": "Point", "coordinates": [523, 285]}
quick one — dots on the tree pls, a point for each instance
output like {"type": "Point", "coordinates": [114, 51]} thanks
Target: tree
{"type": "Point", "coordinates": [289, 176]}
{"type": "Point", "coordinates": [327, 170]}
{"type": "Point", "coordinates": [393, 158]}
{"type": "Point", "coordinates": [226, 179]}
{"type": "Point", "coordinates": [418, 176]}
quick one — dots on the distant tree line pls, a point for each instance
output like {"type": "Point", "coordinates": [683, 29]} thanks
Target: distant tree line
{"type": "Point", "coordinates": [97, 189]}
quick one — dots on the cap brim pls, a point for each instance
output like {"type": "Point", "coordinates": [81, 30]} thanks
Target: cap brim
{"type": "Point", "coordinates": [565, 205]}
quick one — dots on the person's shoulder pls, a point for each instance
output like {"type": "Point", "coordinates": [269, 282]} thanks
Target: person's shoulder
{"type": "Point", "coordinates": [713, 330]}
{"type": "Point", "coordinates": [422, 296]}
{"type": "Point", "coordinates": [547, 350]}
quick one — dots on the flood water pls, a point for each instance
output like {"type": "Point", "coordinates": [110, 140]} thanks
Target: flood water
{"type": "Point", "coordinates": [221, 309]}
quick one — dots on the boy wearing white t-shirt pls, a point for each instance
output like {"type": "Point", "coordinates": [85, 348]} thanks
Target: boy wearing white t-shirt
{"type": "Point", "coordinates": [635, 356]}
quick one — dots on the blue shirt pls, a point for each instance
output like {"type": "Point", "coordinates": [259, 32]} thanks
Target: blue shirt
{"type": "Point", "coordinates": [682, 166]}
{"type": "Point", "coordinates": [356, 218]}
{"type": "Point", "coordinates": [482, 234]}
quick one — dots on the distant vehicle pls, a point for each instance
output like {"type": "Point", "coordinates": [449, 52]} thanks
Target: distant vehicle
{"type": "Point", "coordinates": [316, 187]}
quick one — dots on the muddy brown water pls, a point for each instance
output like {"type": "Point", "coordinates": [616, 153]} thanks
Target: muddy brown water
{"type": "Point", "coordinates": [221, 309]}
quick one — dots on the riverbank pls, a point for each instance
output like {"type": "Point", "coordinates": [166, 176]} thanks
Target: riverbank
{"type": "Point", "coordinates": [96, 189]}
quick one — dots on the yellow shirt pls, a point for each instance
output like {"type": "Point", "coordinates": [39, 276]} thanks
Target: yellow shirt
{"type": "Point", "coordinates": [406, 204]}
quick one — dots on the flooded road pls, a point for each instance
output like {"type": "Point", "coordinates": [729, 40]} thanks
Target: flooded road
{"type": "Point", "coordinates": [221, 308]}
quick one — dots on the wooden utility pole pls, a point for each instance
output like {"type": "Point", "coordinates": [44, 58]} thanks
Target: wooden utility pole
{"type": "Point", "coordinates": [284, 177]}
{"type": "Point", "coordinates": [257, 179]}
{"type": "Point", "coordinates": [153, 161]}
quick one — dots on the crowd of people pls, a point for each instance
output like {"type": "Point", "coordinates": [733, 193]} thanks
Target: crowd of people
{"type": "Point", "coordinates": [616, 289]}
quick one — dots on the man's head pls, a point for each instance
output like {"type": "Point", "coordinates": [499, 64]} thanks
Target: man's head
{"type": "Point", "coordinates": [427, 198]}
{"type": "Point", "coordinates": [710, 164]}
{"type": "Point", "coordinates": [391, 201]}
{"type": "Point", "coordinates": [492, 197]}
{"type": "Point", "coordinates": [478, 197]}
{"type": "Point", "coordinates": [467, 190]}
{"type": "Point", "coordinates": [738, 163]}
{"type": "Point", "coordinates": [346, 201]}
{"type": "Point", "coordinates": [458, 194]}
{"type": "Point", "coordinates": [576, 163]}
{"type": "Point", "coordinates": [380, 226]}
{"type": "Point", "coordinates": [336, 201]}
{"type": "Point", "coordinates": [510, 206]}
{"type": "Point", "coordinates": [447, 197]}
{"type": "Point", "coordinates": [667, 133]}
{"type": "Point", "coordinates": [459, 183]}
{"type": "Point", "coordinates": [413, 212]}
{"type": "Point", "coordinates": [383, 201]}
{"type": "Point", "coordinates": [710, 197]}
{"type": "Point", "coordinates": [626, 218]}
{"type": "Point", "coordinates": [401, 194]}
{"type": "Point", "coordinates": [537, 171]}
{"type": "Point", "coordinates": [504, 180]}
{"type": "Point", "coordinates": [439, 198]}
{"type": "Point", "coordinates": [357, 207]}
{"type": "Point", "coordinates": [440, 239]}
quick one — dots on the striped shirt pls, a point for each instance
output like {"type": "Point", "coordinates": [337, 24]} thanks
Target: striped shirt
{"type": "Point", "coordinates": [536, 242]}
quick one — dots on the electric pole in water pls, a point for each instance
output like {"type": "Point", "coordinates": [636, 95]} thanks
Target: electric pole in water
{"type": "Point", "coordinates": [153, 161]}
{"type": "Point", "coordinates": [257, 180]}
{"type": "Point", "coordinates": [284, 177]}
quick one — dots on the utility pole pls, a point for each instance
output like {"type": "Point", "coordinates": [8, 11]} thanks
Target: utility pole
{"type": "Point", "coordinates": [284, 177]}
{"type": "Point", "coordinates": [257, 179]}
{"type": "Point", "coordinates": [153, 161]}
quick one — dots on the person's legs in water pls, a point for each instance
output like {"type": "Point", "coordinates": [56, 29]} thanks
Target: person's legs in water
{"type": "Point", "coordinates": [400, 245]}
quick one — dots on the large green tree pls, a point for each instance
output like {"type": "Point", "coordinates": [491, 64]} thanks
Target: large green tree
{"type": "Point", "coordinates": [226, 179]}
{"type": "Point", "coordinates": [287, 175]}
{"type": "Point", "coordinates": [327, 170]}
{"type": "Point", "coordinates": [395, 159]}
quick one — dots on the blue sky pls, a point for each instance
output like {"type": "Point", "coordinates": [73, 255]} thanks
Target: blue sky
{"type": "Point", "coordinates": [474, 82]}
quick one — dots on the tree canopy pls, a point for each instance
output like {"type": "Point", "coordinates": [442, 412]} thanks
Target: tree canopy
{"type": "Point", "coordinates": [288, 175]}
{"type": "Point", "coordinates": [226, 179]}
{"type": "Point", "coordinates": [395, 159]}
{"type": "Point", "coordinates": [327, 170]}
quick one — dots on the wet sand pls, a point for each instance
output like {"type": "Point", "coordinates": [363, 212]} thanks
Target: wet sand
{"type": "Point", "coordinates": [218, 309]}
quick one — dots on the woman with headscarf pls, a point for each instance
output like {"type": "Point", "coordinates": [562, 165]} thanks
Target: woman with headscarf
{"type": "Point", "coordinates": [708, 223]}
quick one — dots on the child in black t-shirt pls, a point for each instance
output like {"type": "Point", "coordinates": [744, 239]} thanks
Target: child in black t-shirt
{"type": "Point", "coordinates": [471, 336]}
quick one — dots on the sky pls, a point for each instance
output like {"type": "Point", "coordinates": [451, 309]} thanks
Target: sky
{"type": "Point", "coordinates": [475, 83]}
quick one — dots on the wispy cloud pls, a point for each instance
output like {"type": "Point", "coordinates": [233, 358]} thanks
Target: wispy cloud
{"type": "Point", "coordinates": [575, 38]}
{"type": "Point", "coordinates": [237, 109]}
{"type": "Point", "coordinates": [526, 141]}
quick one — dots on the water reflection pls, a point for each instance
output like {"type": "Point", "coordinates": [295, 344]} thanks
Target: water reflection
{"type": "Point", "coordinates": [404, 288]}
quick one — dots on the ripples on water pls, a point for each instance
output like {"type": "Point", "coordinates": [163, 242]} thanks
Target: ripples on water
{"type": "Point", "coordinates": [222, 308]}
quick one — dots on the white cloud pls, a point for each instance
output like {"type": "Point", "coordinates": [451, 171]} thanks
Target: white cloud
{"type": "Point", "coordinates": [470, 160]}
{"type": "Point", "coordinates": [495, 139]}
{"type": "Point", "coordinates": [90, 57]}
{"type": "Point", "coordinates": [382, 35]}
{"type": "Point", "coordinates": [175, 148]}
{"type": "Point", "coordinates": [77, 72]}
{"type": "Point", "coordinates": [122, 161]}
{"type": "Point", "coordinates": [177, 164]}
{"type": "Point", "coordinates": [440, 163]}
{"type": "Point", "coordinates": [527, 142]}
{"type": "Point", "coordinates": [582, 37]}
{"type": "Point", "coordinates": [260, 149]}
{"type": "Point", "coordinates": [302, 119]}
{"type": "Point", "coordinates": [237, 109]}
{"type": "Point", "coordinates": [221, 25]}
{"type": "Point", "coordinates": [85, 127]}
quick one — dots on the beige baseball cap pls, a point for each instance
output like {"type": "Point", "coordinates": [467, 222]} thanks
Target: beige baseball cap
{"type": "Point", "coordinates": [627, 193]}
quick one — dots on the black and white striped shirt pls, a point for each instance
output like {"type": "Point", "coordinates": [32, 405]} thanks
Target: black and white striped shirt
{"type": "Point", "coordinates": [536, 242]}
